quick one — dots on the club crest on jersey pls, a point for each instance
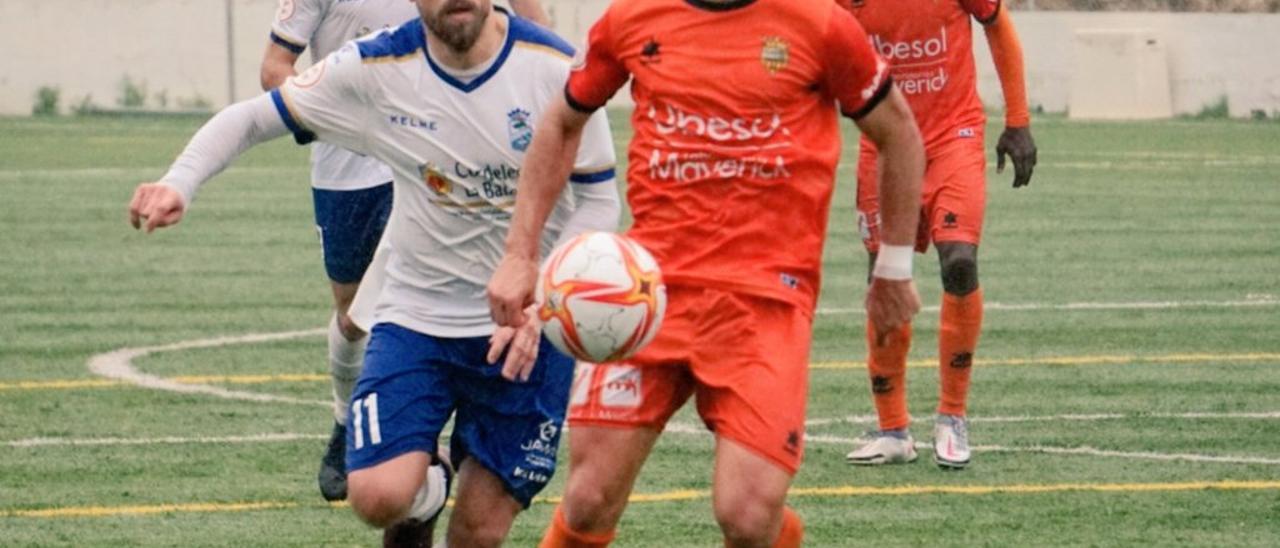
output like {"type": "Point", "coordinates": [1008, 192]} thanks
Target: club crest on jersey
{"type": "Point", "coordinates": [519, 129]}
{"type": "Point", "coordinates": [434, 179]}
{"type": "Point", "coordinates": [775, 54]}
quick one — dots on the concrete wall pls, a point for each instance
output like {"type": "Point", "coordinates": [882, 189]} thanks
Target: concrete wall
{"type": "Point", "coordinates": [85, 48]}
{"type": "Point", "coordinates": [1209, 56]}
{"type": "Point", "coordinates": [180, 47]}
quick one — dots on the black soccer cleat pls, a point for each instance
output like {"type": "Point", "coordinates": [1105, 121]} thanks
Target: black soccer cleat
{"type": "Point", "coordinates": [410, 533]}
{"type": "Point", "coordinates": [333, 467]}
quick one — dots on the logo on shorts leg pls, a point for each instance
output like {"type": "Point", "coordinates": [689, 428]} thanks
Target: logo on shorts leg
{"type": "Point", "coordinates": [793, 442]}
{"type": "Point", "coordinates": [545, 443]}
{"type": "Point", "coordinates": [621, 386]}
{"type": "Point", "coordinates": [950, 220]}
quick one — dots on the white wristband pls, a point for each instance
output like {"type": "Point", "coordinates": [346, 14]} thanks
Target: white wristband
{"type": "Point", "coordinates": [893, 262]}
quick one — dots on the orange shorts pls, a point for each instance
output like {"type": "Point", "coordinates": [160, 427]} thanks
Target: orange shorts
{"type": "Point", "coordinates": [744, 358]}
{"type": "Point", "coordinates": [954, 201]}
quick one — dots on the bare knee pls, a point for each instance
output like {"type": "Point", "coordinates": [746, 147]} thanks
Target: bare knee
{"type": "Point", "coordinates": [378, 503]}
{"type": "Point", "coordinates": [750, 519]}
{"type": "Point", "coordinates": [591, 505]}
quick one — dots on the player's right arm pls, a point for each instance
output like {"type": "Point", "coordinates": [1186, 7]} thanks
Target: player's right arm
{"type": "Point", "coordinates": [326, 100]}
{"type": "Point", "coordinates": [859, 79]}
{"type": "Point", "coordinates": [295, 22]}
{"type": "Point", "coordinates": [597, 74]}
{"type": "Point", "coordinates": [892, 298]}
{"type": "Point", "coordinates": [546, 170]}
{"type": "Point", "coordinates": [277, 66]}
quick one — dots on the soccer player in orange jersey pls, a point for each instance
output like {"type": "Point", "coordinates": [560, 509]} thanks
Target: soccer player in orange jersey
{"type": "Point", "coordinates": [731, 173]}
{"type": "Point", "coordinates": [928, 44]}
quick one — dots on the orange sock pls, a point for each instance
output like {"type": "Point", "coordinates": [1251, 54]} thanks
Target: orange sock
{"type": "Point", "coordinates": [887, 366]}
{"type": "Point", "coordinates": [559, 535]}
{"type": "Point", "coordinates": [792, 530]}
{"type": "Point", "coordinates": [957, 340]}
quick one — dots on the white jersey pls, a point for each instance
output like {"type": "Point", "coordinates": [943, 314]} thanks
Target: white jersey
{"type": "Point", "coordinates": [324, 26]}
{"type": "Point", "coordinates": [455, 149]}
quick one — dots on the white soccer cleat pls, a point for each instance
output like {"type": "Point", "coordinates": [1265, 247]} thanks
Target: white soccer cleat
{"type": "Point", "coordinates": [951, 442]}
{"type": "Point", "coordinates": [884, 447]}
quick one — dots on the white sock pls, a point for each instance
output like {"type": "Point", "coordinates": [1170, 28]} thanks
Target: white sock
{"type": "Point", "coordinates": [346, 359]}
{"type": "Point", "coordinates": [431, 496]}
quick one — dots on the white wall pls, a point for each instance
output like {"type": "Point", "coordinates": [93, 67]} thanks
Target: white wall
{"type": "Point", "coordinates": [85, 47]}
{"type": "Point", "coordinates": [1209, 56]}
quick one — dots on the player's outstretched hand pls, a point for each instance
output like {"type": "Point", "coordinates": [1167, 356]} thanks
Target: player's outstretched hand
{"type": "Point", "coordinates": [1017, 143]}
{"type": "Point", "coordinates": [891, 303]}
{"type": "Point", "coordinates": [155, 205]}
{"type": "Point", "coordinates": [523, 342]}
{"type": "Point", "coordinates": [511, 290]}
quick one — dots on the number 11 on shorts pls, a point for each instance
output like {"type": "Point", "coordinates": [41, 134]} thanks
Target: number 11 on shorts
{"type": "Point", "coordinates": [370, 404]}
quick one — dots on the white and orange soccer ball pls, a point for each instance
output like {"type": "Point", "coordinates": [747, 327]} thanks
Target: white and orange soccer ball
{"type": "Point", "coordinates": [600, 297]}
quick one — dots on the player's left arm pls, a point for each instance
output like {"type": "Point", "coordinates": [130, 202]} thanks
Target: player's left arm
{"type": "Point", "coordinates": [531, 10]}
{"type": "Point", "coordinates": [593, 182]}
{"type": "Point", "coordinates": [1015, 141]}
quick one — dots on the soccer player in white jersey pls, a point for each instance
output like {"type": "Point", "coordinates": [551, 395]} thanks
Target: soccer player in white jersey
{"type": "Point", "coordinates": [351, 192]}
{"type": "Point", "coordinates": [448, 102]}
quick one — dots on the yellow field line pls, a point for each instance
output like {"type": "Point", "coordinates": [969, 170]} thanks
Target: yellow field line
{"type": "Point", "coordinates": [1077, 360]}
{"type": "Point", "coordinates": [846, 491]}
{"type": "Point", "coordinates": [73, 384]}
{"type": "Point", "coordinates": [107, 511]}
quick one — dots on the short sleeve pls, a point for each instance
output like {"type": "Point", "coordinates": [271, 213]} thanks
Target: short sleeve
{"type": "Point", "coordinates": [854, 74]}
{"type": "Point", "coordinates": [327, 101]}
{"type": "Point", "coordinates": [985, 11]}
{"type": "Point", "coordinates": [597, 71]}
{"type": "Point", "coordinates": [296, 21]}
{"type": "Point", "coordinates": [596, 161]}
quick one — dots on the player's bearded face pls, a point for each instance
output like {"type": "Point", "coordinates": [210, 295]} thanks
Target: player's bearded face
{"type": "Point", "coordinates": [456, 22]}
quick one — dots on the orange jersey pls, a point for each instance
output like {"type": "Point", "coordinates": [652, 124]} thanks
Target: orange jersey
{"type": "Point", "coordinates": [732, 165]}
{"type": "Point", "coordinates": [929, 46]}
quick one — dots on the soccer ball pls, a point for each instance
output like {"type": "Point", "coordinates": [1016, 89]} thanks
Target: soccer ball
{"type": "Point", "coordinates": [600, 297]}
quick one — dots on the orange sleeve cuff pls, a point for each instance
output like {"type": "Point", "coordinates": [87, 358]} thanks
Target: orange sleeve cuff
{"type": "Point", "coordinates": [1006, 52]}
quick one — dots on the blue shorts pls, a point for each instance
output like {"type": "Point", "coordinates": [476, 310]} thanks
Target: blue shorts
{"type": "Point", "coordinates": [350, 223]}
{"type": "Point", "coordinates": [413, 382]}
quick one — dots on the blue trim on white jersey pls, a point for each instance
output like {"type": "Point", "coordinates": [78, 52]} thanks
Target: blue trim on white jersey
{"type": "Point", "coordinates": [404, 40]}
{"type": "Point", "coordinates": [302, 136]}
{"type": "Point", "coordinates": [523, 30]}
{"type": "Point", "coordinates": [286, 44]}
{"type": "Point", "coordinates": [592, 176]}
{"type": "Point", "coordinates": [468, 87]}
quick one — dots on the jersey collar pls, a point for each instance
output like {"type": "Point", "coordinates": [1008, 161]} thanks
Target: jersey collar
{"type": "Point", "coordinates": [467, 87]}
{"type": "Point", "coordinates": [719, 6]}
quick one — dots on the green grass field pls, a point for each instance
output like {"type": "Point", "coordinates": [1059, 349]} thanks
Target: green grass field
{"type": "Point", "coordinates": [1127, 389]}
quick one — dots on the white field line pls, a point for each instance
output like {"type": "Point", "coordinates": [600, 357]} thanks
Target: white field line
{"type": "Point", "coordinates": [118, 364]}
{"type": "Point", "coordinates": [120, 171]}
{"type": "Point", "coordinates": [680, 428]}
{"type": "Point", "coordinates": [1134, 305]}
{"type": "Point", "coordinates": [168, 440]}
{"type": "Point", "coordinates": [675, 428]}
{"type": "Point", "coordinates": [1070, 417]}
